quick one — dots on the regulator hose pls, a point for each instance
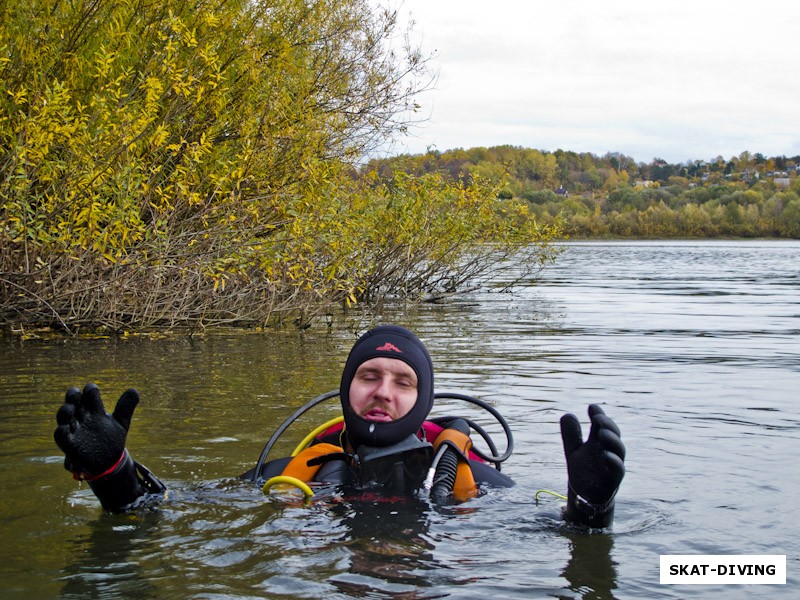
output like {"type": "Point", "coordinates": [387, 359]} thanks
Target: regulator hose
{"type": "Point", "coordinates": [285, 425]}
{"type": "Point", "coordinates": [445, 465]}
{"type": "Point", "coordinates": [494, 457]}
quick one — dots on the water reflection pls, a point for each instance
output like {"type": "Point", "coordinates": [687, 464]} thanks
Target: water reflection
{"type": "Point", "coordinates": [591, 572]}
{"type": "Point", "coordinates": [387, 547]}
{"type": "Point", "coordinates": [104, 565]}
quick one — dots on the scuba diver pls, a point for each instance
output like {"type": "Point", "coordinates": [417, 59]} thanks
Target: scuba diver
{"type": "Point", "coordinates": [386, 440]}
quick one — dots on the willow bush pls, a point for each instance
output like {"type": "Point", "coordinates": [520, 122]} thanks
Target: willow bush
{"type": "Point", "coordinates": [187, 164]}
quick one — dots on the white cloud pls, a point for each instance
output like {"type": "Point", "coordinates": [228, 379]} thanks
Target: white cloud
{"type": "Point", "coordinates": [679, 80]}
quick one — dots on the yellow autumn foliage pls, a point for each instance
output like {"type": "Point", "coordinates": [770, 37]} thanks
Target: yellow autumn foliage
{"type": "Point", "coordinates": [189, 164]}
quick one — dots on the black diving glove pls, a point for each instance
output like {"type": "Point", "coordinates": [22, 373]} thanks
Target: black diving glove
{"type": "Point", "coordinates": [595, 468]}
{"type": "Point", "coordinates": [94, 444]}
{"type": "Point", "coordinates": [92, 440]}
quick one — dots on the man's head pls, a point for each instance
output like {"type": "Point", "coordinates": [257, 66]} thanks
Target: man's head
{"type": "Point", "coordinates": [387, 386]}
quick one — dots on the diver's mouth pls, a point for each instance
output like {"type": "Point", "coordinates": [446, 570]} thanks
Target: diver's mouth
{"type": "Point", "coordinates": [377, 414]}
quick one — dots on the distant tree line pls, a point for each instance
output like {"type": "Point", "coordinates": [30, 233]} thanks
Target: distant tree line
{"type": "Point", "coordinates": [749, 195]}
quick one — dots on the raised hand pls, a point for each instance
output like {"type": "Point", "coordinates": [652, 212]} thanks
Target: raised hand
{"type": "Point", "coordinates": [595, 467]}
{"type": "Point", "coordinates": [92, 440]}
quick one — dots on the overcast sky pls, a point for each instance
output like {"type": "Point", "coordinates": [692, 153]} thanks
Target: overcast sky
{"type": "Point", "coordinates": [679, 80]}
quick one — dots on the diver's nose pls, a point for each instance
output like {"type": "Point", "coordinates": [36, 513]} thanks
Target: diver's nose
{"type": "Point", "coordinates": [383, 390]}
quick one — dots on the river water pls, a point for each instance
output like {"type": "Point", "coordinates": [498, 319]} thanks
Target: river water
{"type": "Point", "coordinates": [692, 347]}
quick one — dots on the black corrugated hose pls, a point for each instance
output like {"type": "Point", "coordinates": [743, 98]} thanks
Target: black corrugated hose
{"type": "Point", "coordinates": [445, 475]}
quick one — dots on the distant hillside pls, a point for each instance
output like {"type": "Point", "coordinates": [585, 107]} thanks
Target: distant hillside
{"type": "Point", "coordinates": [749, 195]}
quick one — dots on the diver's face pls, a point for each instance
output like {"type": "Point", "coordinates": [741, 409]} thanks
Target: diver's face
{"type": "Point", "coordinates": [383, 389]}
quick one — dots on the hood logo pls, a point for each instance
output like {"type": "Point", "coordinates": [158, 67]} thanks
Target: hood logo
{"type": "Point", "coordinates": [389, 347]}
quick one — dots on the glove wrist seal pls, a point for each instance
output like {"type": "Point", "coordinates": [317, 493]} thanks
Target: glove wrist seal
{"type": "Point", "coordinates": [83, 476]}
{"type": "Point", "coordinates": [581, 510]}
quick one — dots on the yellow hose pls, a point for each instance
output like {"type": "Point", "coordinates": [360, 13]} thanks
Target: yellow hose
{"type": "Point", "coordinates": [301, 485]}
{"type": "Point", "coordinates": [285, 479]}
{"type": "Point", "coordinates": [551, 493]}
{"type": "Point", "coordinates": [307, 440]}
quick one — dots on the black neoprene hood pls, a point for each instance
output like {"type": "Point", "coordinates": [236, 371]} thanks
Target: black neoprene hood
{"type": "Point", "coordinates": [389, 341]}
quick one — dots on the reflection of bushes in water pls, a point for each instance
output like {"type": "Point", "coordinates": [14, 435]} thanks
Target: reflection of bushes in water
{"type": "Point", "coordinates": [174, 165]}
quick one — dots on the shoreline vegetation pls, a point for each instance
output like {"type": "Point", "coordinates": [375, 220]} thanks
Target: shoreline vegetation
{"type": "Point", "coordinates": [188, 166]}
